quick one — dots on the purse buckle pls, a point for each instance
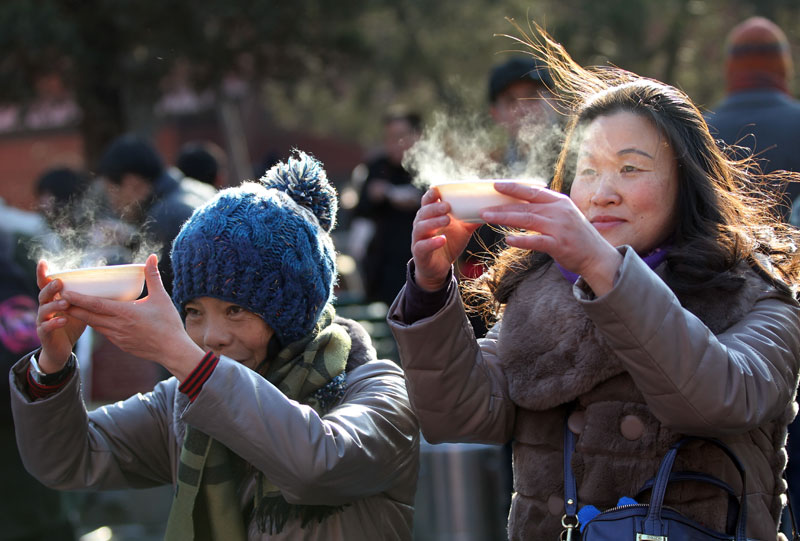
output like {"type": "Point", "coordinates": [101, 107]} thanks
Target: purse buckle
{"type": "Point", "coordinates": [650, 537]}
{"type": "Point", "coordinates": [570, 523]}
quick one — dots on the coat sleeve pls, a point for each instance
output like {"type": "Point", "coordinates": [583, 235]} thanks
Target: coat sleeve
{"type": "Point", "coordinates": [124, 445]}
{"type": "Point", "coordinates": [455, 382]}
{"type": "Point", "coordinates": [364, 446]}
{"type": "Point", "coordinates": [694, 381]}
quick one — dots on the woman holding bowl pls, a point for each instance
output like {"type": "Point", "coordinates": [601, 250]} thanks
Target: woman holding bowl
{"type": "Point", "coordinates": [650, 296]}
{"type": "Point", "coordinates": [280, 423]}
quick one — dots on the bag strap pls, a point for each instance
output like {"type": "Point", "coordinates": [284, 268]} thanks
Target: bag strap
{"type": "Point", "coordinates": [653, 523]}
{"type": "Point", "coordinates": [676, 477]}
{"type": "Point", "coordinates": [570, 518]}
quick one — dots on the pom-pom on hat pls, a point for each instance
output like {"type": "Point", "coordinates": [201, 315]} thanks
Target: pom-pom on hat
{"type": "Point", "coordinates": [757, 56]}
{"type": "Point", "coordinates": [264, 246]}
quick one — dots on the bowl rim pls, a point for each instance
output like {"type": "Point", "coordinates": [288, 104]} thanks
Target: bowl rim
{"type": "Point", "coordinates": [489, 181]}
{"type": "Point", "coordinates": [125, 266]}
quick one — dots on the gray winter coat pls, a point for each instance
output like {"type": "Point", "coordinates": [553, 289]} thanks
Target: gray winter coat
{"type": "Point", "coordinates": [363, 454]}
{"type": "Point", "coordinates": [632, 371]}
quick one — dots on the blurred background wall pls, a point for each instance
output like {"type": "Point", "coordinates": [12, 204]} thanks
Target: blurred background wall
{"type": "Point", "coordinates": [259, 77]}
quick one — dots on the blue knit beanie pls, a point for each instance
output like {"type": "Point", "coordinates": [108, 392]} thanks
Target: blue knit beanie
{"type": "Point", "coordinates": [264, 246]}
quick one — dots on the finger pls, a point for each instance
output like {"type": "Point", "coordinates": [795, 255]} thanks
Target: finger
{"type": "Point", "coordinates": [96, 305]}
{"type": "Point", "coordinates": [41, 274]}
{"type": "Point", "coordinates": [49, 291]}
{"type": "Point", "coordinates": [431, 196]}
{"type": "Point", "coordinates": [152, 277]}
{"type": "Point", "coordinates": [528, 192]}
{"type": "Point", "coordinates": [427, 228]}
{"type": "Point", "coordinates": [49, 310]}
{"type": "Point", "coordinates": [519, 219]}
{"type": "Point", "coordinates": [534, 242]}
{"type": "Point", "coordinates": [90, 318]}
{"type": "Point", "coordinates": [432, 210]}
{"type": "Point", "coordinates": [424, 248]}
{"type": "Point", "coordinates": [52, 324]}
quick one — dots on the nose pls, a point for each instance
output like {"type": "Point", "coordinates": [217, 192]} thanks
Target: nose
{"type": "Point", "coordinates": [605, 192]}
{"type": "Point", "coordinates": [216, 336]}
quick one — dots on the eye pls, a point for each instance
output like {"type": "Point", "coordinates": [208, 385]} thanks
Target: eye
{"type": "Point", "coordinates": [191, 312]}
{"type": "Point", "coordinates": [235, 310]}
{"type": "Point", "coordinates": [587, 172]}
{"type": "Point", "coordinates": [629, 169]}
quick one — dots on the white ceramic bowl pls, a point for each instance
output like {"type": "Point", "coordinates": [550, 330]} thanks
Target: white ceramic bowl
{"type": "Point", "coordinates": [468, 197]}
{"type": "Point", "coordinates": [117, 282]}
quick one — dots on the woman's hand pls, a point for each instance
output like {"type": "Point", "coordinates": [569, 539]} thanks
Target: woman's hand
{"type": "Point", "coordinates": [554, 225]}
{"type": "Point", "coordinates": [58, 332]}
{"type": "Point", "coordinates": [436, 241]}
{"type": "Point", "coordinates": [149, 328]}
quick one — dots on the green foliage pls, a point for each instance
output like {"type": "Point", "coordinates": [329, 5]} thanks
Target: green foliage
{"type": "Point", "coordinates": [333, 67]}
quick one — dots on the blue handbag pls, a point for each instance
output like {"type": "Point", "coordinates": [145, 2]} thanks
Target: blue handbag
{"type": "Point", "coordinates": [653, 521]}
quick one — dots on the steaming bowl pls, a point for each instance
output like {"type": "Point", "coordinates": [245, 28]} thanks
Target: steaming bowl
{"type": "Point", "coordinates": [117, 282]}
{"type": "Point", "coordinates": [468, 197]}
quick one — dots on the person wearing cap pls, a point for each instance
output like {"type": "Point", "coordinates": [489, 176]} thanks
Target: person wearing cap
{"type": "Point", "coordinates": [758, 113]}
{"type": "Point", "coordinates": [279, 422]}
{"type": "Point", "coordinates": [521, 102]}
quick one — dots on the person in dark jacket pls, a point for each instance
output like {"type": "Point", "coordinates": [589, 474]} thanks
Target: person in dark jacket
{"type": "Point", "coordinates": [29, 511]}
{"type": "Point", "coordinates": [279, 424]}
{"type": "Point", "coordinates": [143, 192]}
{"type": "Point", "coordinates": [758, 113]}
{"type": "Point", "coordinates": [388, 200]}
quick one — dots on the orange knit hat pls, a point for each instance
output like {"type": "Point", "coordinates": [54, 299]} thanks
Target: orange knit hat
{"type": "Point", "coordinates": [757, 56]}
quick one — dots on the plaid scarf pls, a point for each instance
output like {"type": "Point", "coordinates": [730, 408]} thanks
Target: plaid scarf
{"type": "Point", "coordinates": [206, 505]}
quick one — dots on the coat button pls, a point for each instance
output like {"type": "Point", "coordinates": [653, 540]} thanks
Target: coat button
{"type": "Point", "coordinates": [555, 505]}
{"type": "Point", "coordinates": [576, 421]}
{"type": "Point", "coordinates": [631, 427]}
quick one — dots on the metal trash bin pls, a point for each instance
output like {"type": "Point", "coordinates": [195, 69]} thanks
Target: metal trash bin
{"type": "Point", "coordinates": [462, 494]}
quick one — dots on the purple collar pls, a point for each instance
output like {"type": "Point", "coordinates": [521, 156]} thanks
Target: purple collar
{"type": "Point", "coordinates": [653, 260]}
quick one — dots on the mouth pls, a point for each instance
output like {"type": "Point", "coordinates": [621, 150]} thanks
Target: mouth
{"type": "Point", "coordinates": [606, 222]}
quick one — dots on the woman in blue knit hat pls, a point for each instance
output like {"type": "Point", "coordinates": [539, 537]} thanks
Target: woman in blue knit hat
{"type": "Point", "coordinates": [280, 423]}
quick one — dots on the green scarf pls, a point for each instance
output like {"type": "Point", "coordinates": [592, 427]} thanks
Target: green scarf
{"type": "Point", "coordinates": [206, 505]}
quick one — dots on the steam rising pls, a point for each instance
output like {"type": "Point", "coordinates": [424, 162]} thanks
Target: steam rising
{"type": "Point", "coordinates": [459, 148]}
{"type": "Point", "coordinates": [83, 234]}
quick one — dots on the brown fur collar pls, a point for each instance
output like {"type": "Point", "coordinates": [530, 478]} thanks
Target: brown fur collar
{"type": "Point", "coordinates": [552, 352]}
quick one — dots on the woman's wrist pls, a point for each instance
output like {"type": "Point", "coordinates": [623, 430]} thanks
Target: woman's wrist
{"type": "Point", "coordinates": [46, 363]}
{"type": "Point", "coordinates": [183, 359]}
{"type": "Point", "coordinates": [601, 273]}
{"type": "Point", "coordinates": [429, 285]}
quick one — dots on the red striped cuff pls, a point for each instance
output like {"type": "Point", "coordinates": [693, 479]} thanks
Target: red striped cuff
{"type": "Point", "coordinates": [38, 390]}
{"type": "Point", "coordinates": [193, 384]}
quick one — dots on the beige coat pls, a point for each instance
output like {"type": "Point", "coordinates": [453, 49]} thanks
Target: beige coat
{"type": "Point", "coordinates": [633, 370]}
{"type": "Point", "coordinates": [363, 454]}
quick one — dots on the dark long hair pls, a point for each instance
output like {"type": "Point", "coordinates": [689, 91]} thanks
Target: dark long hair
{"type": "Point", "coordinates": [724, 211]}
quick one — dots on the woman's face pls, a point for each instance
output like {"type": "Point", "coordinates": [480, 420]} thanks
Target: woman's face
{"type": "Point", "coordinates": [228, 329]}
{"type": "Point", "coordinates": [626, 181]}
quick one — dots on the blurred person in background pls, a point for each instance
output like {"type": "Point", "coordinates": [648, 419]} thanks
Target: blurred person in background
{"type": "Point", "coordinates": [758, 112]}
{"type": "Point", "coordinates": [522, 104]}
{"type": "Point", "coordinates": [387, 204]}
{"type": "Point", "coordinates": [28, 510]}
{"type": "Point", "coordinates": [204, 161]}
{"type": "Point", "coordinates": [143, 192]}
